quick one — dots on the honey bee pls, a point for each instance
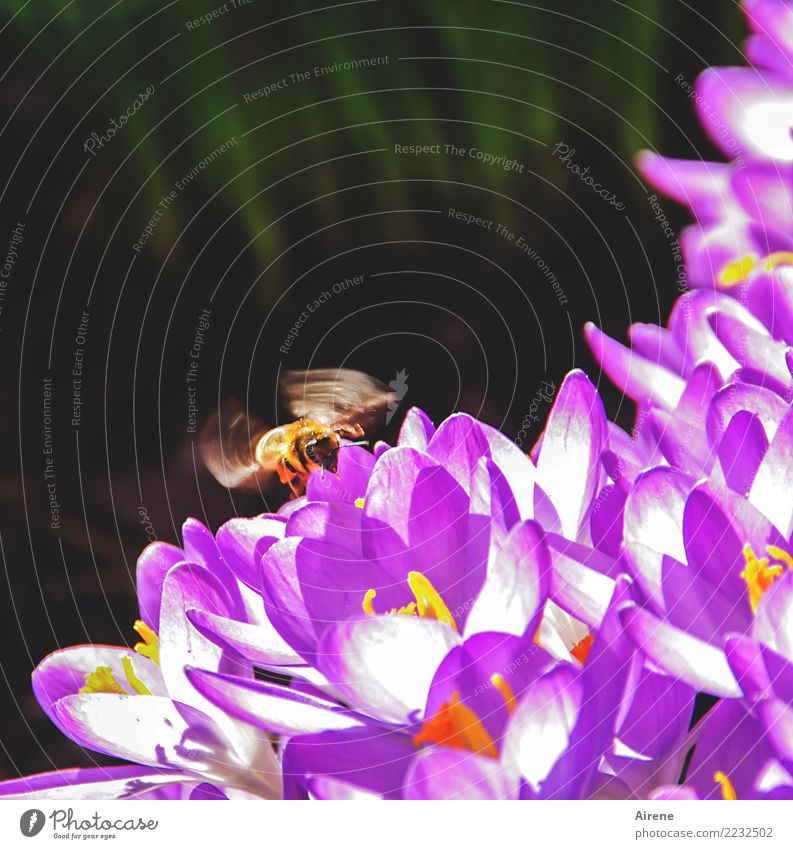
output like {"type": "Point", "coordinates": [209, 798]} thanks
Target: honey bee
{"type": "Point", "coordinates": [329, 405]}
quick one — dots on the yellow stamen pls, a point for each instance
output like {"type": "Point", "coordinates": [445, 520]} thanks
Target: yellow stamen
{"type": "Point", "coordinates": [727, 790]}
{"type": "Point", "coordinates": [777, 258]}
{"type": "Point", "coordinates": [150, 647]}
{"type": "Point", "coordinates": [780, 554]}
{"type": "Point", "coordinates": [580, 651]}
{"type": "Point", "coordinates": [506, 691]}
{"type": "Point", "coordinates": [359, 502]}
{"type": "Point", "coordinates": [457, 727]}
{"type": "Point", "coordinates": [737, 271]}
{"type": "Point", "coordinates": [101, 680]}
{"type": "Point", "coordinates": [137, 685]}
{"type": "Point", "coordinates": [759, 576]}
{"type": "Point", "coordinates": [428, 603]}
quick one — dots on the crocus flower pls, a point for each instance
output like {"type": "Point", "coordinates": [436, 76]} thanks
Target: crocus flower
{"type": "Point", "coordinates": [139, 706]}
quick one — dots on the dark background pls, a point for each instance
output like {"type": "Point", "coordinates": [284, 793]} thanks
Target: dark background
{"type": "Point", "coordinates": [311, 193]}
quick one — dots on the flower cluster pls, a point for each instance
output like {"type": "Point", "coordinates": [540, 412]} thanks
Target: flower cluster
{"type": "Point", "coordinates": [449, 617]}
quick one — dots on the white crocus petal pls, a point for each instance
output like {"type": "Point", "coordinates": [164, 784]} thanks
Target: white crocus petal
{"type": "Point", "coordinates": [384, 665]}
{"type": "Point", "coordinates": [516, 583]}
{"type": "Point", "coordinates": [539, 729]}
{"type": "Point", "coordinates": [569, 468]}
{"type": "Point", "coordinates": [559, 631]}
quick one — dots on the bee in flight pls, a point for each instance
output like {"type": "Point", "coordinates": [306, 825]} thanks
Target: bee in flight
{"type": "Point", "coordinates": [329, 405]}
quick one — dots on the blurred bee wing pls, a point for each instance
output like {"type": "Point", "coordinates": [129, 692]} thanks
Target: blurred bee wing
{"type": "Point", "coordinates": [227, 442]}
{"type": "Point", "coordinates": [335, 396]}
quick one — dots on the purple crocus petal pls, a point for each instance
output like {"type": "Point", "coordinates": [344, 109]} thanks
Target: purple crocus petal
{"type": "Point", "coordinates": [334, 522]}
{"type": "Point", "coordinates": [63, 672]}
{"type": "Point", "coordinates": [153, 565]}
{"type": "Point", "coordinates": [458, 445]}
{"type": "Point", "coordinates": [755, 106]}
{"type": "Point", "coordinates": [751, 346]}
{"type": "Point", "coordinates": [731, 741]}
{"type": "Point", "coordinates": [334, 584]}
{"type": "Point", "coordinates": [764, 192]}
{"type": "Point", "coordinates": [777, 719]}
{"type": "Point", "coordinates": [760, 670]}
{"type": "Point", "coordinates": [111, 782]}
{"type": "Point", "coordinates": [741, 449]}
{"type": "Point", "coordinates": [679, 442]}
{"type": "Point", "coordinates": [276, 709]}
{"type": "Point", "coordinates": [492, 496]}
{"type": "Point", "coordinates": [568, 468]}
{"type": "Point", "coordinates": [607, 519]}
{"type": "Point", "coordinates": [205, 792]}
{"type": "Point", "coordinates": [693, 661]}
{"type": "Point", "coordinates": [772, 19]}
{"type": "Point", "coordinates": [417, 429]}
{"type": "Point", "coordinates": [603, 682]}
{"type": "Point", "coordinates": [656, 714]}
{"type": "Point", "coordinates": [579, 590]}
{"type": "Point", "coordinates": [772, 490]}
{"type": "Point", "coordinates": [322, 788]}
{"type": "Point", "coordinates": [540, 728]}
{"type": "Point", "coordinates": [701, 608]}
{"type": "Point", "coordinates": [717, 524]}
{"type": "Point", "coordinates": [673, 793]}
{"type": "Point", "coordinates": [737, 397]}
{"type": "Point", "coordinates": [261, 643]}
{"type": "Point", "coordinates": [150, 730]}
{"type": "Point", "coordinates": [658, 345]}
{"type": "Point", "coordinates": [654, 511]}
{"type": "Point", "coordinates": [774, 618]}
{"type": "Point", "coordinates": [703, 186]}
{"type": "Point", "coordinates": [190, 587]}
{"type": "Point", "coordinates": [200, 548]}
{"type": "Point", "coordinates": [468, 671]}
{"type": "Point", "coordinates": [440, 773]}
{"type": "Point", "coordinates": [518, 469]}
{"type": "Point", "coordinates": [351, 478]}
{"type": "Point", "coordinates": [242, 542]}
{"type": "Point", "coordinates": [388, 497]}
{"type": "Point", "coordinates": [516, 584]}
{"type": "Point", "coordinates": [384, 665]}
{"type": "Point", "coordinates": [770, 298]}
{"type": "Point", "coordinates": [373, 759]}
{"type": "Point", "coordinates": [637, 377]}
{"type": "Point", "coordinates": [283, 597]}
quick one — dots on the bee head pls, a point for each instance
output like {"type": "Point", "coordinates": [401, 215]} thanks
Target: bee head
{"type": "Point", "coordinates": [324, 452]}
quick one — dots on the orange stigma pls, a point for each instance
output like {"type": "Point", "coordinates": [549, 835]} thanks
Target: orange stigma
{"type": "Point", "coordinates": [580, 651]}
{"type": "Point", "coordinates": [457, 727]}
